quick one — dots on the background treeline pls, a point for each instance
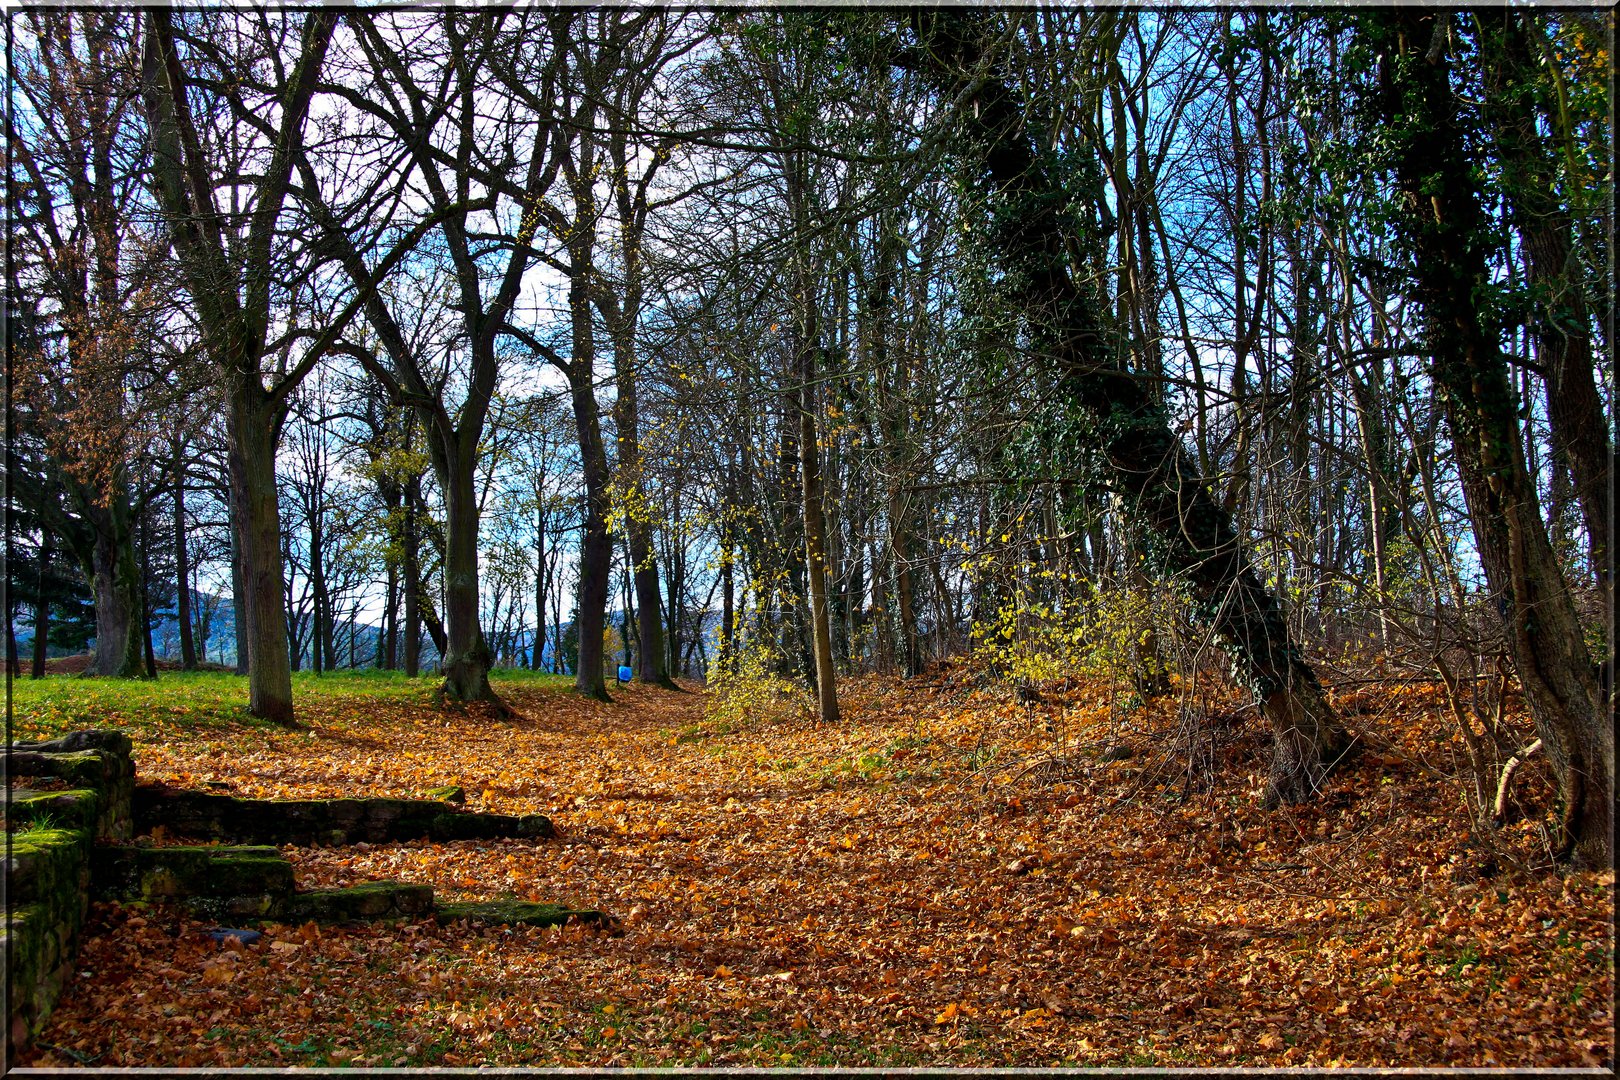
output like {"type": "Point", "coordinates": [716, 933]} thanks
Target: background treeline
{"type": "Point", "coordinates": [836, 342]}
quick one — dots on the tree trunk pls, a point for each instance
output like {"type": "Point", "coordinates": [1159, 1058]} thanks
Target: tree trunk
{"type": "Point", "coordinates": [434, 625]}
{"type": "Point", "coordinates": [412, 569]}
{"type": "Point", "coordinates": [652, 661]}
{"type": "Point", "coordinates": [596, 546]}
{"type": "Point", "coordinates": [42, 607]}
{"type": "Point", "coordinates": [149, 664]}
{"type": "Point", "coordinates": [388, 633]}
{"type": "Point", "coordinates": [252, 437]}
{"type": "Point", "coordinates": [815, 525]}
{"type": "Point", "coordinates": [1146, 461]}
{"type": "Point", "coordinates": [116, 582]}
{"type": "Point", "coordinates": [538, 648]}
{"type": "Point", "coordinates": [234, 334]}
{"type": "Point", "coordinates": [905, 587]}
{"type": "Point", "coordinates": [1445, 229]}
{"type": "Point", "coordinates": [182, 564]}
{"type": "Point", "coordinates": [728, 597]}
{"type": "Point", "coordinates": [467, 658]}
{"type": "Point", "coordinates": [319, 616]}
{"type": "Point", "coordinates": [1563, 326]}
{"type": "Point", "coordinates": [238, 588]}
{"type": "Point", "coordinates": [627, 620]}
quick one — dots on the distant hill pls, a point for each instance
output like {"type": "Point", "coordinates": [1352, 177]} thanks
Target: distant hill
{"type": "Point", "coordinates": [219, 647]}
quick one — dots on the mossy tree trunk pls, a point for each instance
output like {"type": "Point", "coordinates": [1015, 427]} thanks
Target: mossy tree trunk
{"type": "Point", "coordinates": [1516, 108]}
{"type": "Point", "coordinates": [1445, 229]}
{"type": "Point", "coordinates": [1191, 535]}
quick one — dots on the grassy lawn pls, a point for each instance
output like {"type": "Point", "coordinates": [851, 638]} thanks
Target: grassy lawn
{"type": "Point", "coordinates": [147, 708]}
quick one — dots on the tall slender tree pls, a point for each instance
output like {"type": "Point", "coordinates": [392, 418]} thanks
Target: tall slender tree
{"type": "Point", "coordinates": [1192, 535]}
{"type": "Point", "coordinates": [1445, 232]}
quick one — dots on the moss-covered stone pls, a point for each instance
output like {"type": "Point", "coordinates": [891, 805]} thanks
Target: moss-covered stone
{"type": "Point", "coordinates": [46, 865]}
{"type": "Point", "coordinates": [516, 913]}
{"type": "Point", "coordinates": [182, 873]}
{"type": "Point", "coordinates": [76, 810]}
{"type": "Point", "coordinates": [48, 868]}
{"type": "Point", "coordinates": [535, 826]}
{"type": "Point", "coordinates": [79, 768]}
{"type": "Point", "coordinates": [104, 739]}
{"type": "Point", "coordinates": [213, 816]}
{"type": "Point", "coordinates": [450, 793]}
{"type": "Point", "coordinates": [236, 908]}
{"type": "Point", "coordinates": [369, 900]}
{"type": "Point", "coordinates": [89, 760]}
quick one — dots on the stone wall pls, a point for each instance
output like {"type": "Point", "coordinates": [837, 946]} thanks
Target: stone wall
{"type": "Point", "coordinates": [72, 810]}
{"type": "Point", "coordinates": [61, 797]}
{"type": "Point", "coordinates": [209, 816]}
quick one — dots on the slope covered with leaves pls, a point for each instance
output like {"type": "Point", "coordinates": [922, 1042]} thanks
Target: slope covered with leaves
{"type": "Point", "coordinates": [922, 885]}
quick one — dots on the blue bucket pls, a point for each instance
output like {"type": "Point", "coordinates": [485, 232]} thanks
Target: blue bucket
{"type": "Point", "coordinates": [625, 674]}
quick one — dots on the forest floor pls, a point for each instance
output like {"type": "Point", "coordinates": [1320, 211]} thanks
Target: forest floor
{"type": "Point", "coordinates": [913, 887]}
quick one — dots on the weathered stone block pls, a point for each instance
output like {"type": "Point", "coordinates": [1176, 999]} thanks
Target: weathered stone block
{"type": "Point", "coordinates": [75, 810]}
{"type": "Point", "coordinates": [322, 821]}
{"type": "Point", "coordinates": [176, 873]}
{"type": "Point", "coordinates": [48, 867]}
{"type": "Point", "coordinates": [113, 742]}
{"type": "Point", "coordinates": [45, 866]}
{"type": "Point", "coordinates": [371, 900]}
{"type": "Point", "coordinates": [517, 913]}
{"type": "Point", "coordinates": [89, 760]}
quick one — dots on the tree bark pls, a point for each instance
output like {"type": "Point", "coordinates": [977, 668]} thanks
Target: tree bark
{"type": "Point", "coordinates": [1192, 536]}
{"type": "Point", "coordinates": [1562, 326]}
{"type": "Point", "coordinates": [115, 580]}
{"type": "Point", "coordinates": [182, 564]}
{"type": "Point", "coordinates": [320, 616]}
{"type": "Point", "coordinates": [728, 591]}
{"type": "Point", "coordinates": [42, 608]}
{"type": "Point", "coordinates": [252, 430]}
{"type": "Point", "coordinates": [596, 546]}
{"type": "Point", "coordinates": [238, 590]}
{"type": "Point", "coordinates": [652, 661]}
{"type": "Point", "coordinates": [905, 587]}
{"type": "Point", "coordinates": [467, 658]}
{"type": "Point", "coordinates": [148, 659]}
{"type": "Point", "coordinates": [388, 633]}
{"type": "Point", "coordinates": [538, 646]}
{"type": "Point", "coordinates": [815, 536]}
{"type": "Point", "coordinates": [1445, 229]}
{"type": "Point", "coordinates": [230, 287]}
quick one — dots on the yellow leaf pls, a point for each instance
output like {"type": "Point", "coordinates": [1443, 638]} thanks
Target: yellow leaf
{"type": "Point", "coordinates": [217, 975]}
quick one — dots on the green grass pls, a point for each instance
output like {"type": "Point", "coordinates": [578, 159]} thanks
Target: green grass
{"type": "Point", "coordinates": [209, 699]}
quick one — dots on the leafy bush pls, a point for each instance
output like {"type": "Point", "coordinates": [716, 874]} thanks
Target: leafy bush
{"type": "Point", "coordinates": [1109, 637]}
{"type": "Point", "coordinates": [752, 688]}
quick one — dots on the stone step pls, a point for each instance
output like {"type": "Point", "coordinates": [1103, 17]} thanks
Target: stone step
{"type": "Point", "coordinates": [370, 900]}
{"type": "Point", "coordinates": [179, 873]}
{"type": "Point", "coordinates": [78, 810]}
{"type": "Point", "coordinates": [517, 913]}
{"type": "Point", "coordinates": [207, 815]}
{"type": "Point", "coordinates": [46, 865]}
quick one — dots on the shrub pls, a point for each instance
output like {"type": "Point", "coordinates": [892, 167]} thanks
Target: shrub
{"type": "Point", "coordinates": [752, 687]}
